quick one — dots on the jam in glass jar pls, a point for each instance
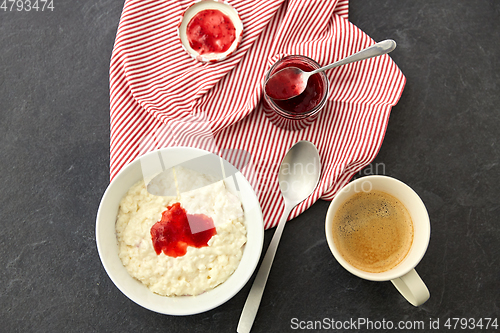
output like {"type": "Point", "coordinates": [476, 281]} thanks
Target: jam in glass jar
{"type": "Point", "coordinates": [302, 110]}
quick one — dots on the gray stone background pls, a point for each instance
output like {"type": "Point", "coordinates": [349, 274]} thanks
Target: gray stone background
{"type": "Point", "coordinates": [442, 140]}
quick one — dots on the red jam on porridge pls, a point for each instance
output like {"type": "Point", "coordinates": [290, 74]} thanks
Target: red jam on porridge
{"type": "Point", "coordinates": [173, 233]}
{"type": "Point", "coordinates": [185, 244]}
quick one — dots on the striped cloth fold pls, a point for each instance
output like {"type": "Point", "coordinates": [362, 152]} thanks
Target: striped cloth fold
{"type": "Point", "coordinates": [161, 97]}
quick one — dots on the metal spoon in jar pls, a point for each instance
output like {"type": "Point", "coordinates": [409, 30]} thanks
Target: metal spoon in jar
{"type": "Point", "coordinates": [298, 177]}
{"type": "Point", "coordinates": [292, 81]}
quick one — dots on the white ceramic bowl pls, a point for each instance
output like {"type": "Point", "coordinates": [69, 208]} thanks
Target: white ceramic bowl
{"type": "Point", "coordinates": [107, 244]}
{"type": "Point", "coordinates": [194, 9]}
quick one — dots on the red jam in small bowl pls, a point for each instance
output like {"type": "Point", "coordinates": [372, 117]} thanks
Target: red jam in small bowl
{"type": "Point", "coordinates": [210, 31]}
{"type": "Point", "coordinates": [300, 111]}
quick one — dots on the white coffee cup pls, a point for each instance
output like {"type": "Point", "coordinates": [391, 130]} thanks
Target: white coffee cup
{"type": "Point", "coordinates": [403, 276]}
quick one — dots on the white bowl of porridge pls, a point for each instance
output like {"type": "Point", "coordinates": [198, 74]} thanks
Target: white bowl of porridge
{"type": "Point", "coordinates": [179, 231]}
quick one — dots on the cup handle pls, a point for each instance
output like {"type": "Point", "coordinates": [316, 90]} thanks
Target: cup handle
{"type": "Point", "coordinates": [412, 288]}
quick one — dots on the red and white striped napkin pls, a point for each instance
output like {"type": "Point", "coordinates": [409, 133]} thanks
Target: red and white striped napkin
{"type": "Point", "coordinates": [162, 97]}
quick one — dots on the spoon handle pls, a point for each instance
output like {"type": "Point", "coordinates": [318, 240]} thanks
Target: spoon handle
{"type": "Point", "coordinates": [375, 50]}
{"type": "Point", "coordinates": [254, 297]}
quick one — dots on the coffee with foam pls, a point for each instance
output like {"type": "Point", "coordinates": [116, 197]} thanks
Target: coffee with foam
{"type": "Point", "coordinates": [373, 231]}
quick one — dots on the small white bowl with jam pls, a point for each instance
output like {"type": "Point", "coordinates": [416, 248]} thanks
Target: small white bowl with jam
{"type": "Point", "coordinates": [210, 30]}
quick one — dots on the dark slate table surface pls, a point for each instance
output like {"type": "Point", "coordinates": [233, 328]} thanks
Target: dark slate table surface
{"type": "Point", "coordinates": [442, 140]}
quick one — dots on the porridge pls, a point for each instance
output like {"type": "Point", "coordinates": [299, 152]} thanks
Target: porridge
{"type": "Point", "coordinates": [185, 242]}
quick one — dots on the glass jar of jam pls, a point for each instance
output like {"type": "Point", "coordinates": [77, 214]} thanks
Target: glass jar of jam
{"type": "Point", "coordinates": [302, 110]}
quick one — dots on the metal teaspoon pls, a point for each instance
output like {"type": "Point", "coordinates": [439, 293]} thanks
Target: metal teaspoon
{"type": "Point", "coordinates": [292, 81]}
{"type": "Point", "coordinates": [298, 177]}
